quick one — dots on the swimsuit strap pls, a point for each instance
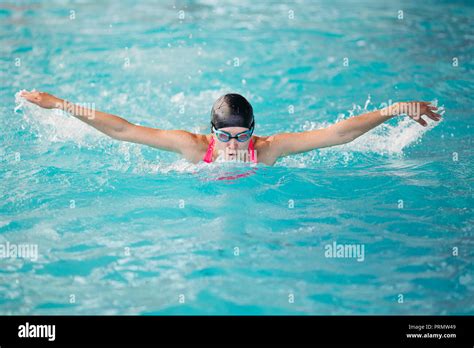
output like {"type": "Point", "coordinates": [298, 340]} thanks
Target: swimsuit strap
{"type": "Point", "coordinates": [253, 158]}
{"type": "Point", "coordinates": [210, 151]}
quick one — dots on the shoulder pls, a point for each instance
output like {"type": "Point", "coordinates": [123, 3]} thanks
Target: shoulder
{"type": "Point", "coordinates": [263, 142]}
{"type": "Point", "coordinates": [264, 145]}
{"type": "Point", "coordinates": [193, 140]}
{"type": "Point", "coordinates": [198, 148]}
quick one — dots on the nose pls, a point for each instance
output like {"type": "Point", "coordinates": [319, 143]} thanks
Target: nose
{"type": "Point", "coordinates": [233, 144]}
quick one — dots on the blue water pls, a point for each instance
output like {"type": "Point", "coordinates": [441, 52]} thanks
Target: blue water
{"type": "Point", "coordinates": [126, 229]}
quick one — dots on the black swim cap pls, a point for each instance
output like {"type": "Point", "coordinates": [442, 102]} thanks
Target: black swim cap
{"type": "Point", "coordinates": [232, 110]}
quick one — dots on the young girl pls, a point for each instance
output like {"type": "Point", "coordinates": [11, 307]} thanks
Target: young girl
{"type": "Point", "coordinates": [232, 126]}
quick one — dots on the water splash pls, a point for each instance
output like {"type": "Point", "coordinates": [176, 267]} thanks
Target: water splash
{"type": "Point", "coordinates": [54, 125]}
{"type": "Point", "coordinates": [386, 139]}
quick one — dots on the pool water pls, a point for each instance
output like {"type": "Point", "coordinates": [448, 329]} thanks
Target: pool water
{"type": "Point", "coordinates": [125, 229]}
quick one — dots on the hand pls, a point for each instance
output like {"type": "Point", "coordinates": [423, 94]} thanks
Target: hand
{"type": "Point", "coordinates": [415, 110]}
{"type": "Point", "coordinates": [45, 100]}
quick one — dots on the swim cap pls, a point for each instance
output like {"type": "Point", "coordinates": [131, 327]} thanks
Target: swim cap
{"type": "Point", "coordinates": [232, 110]}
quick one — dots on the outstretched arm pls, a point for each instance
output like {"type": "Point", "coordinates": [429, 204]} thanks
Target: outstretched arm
{"type": "Point", "coordinates": [118, 128]}
{"type": "Point", "coordinates": [345, 131]}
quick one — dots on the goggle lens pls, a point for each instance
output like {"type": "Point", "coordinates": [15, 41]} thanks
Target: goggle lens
{"type": "Point", "coordinates": [223, 137]}
{"type": "Point", "coordinates": [243, 137]}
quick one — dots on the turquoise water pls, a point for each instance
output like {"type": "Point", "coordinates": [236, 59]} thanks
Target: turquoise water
{"type": "Point", "coordinates": [125, 229]}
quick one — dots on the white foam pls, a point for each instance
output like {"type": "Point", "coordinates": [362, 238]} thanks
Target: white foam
{"type": "Point", "coordinates": [55, 125]}
{"type": "Point", "coordinates": [384, 139]}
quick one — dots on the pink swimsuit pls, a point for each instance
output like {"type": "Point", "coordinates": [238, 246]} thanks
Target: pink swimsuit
{"type": "Point", "coordinates": [210, 150]}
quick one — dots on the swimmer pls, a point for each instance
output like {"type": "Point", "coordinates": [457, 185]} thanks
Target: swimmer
{"type": "Point", "coordinates": [232, 127]}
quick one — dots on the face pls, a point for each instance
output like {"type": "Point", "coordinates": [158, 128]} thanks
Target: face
{"type": "Point", "coordinates": [232, 147]}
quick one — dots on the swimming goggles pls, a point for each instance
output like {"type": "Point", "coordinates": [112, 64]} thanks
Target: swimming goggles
{"type": "Point", "coordinates": [226, 136]}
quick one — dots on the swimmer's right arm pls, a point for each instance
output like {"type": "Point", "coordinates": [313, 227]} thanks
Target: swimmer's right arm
{"type": "Point", "coordinates": [179, 141]}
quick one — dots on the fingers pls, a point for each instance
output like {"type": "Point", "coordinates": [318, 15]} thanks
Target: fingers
{"type": "Point", "coordinates": [434, 116]}
{"type": "Point", "coordinates": [430, 112]}
{"type": "Point", "coordinates": [426, 109]}
{"type": "Point", "coordinates": [421, 121]}
{"type": "Point", "coordinates": [24, 94]}
{"type": "Point", "coordinates": [30, 96]}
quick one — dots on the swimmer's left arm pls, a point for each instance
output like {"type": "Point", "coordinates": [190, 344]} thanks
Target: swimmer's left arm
{"type": "Point", "coordinates": [354, 127]}
{"type": "Point", "coordinates": [345, 131]}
